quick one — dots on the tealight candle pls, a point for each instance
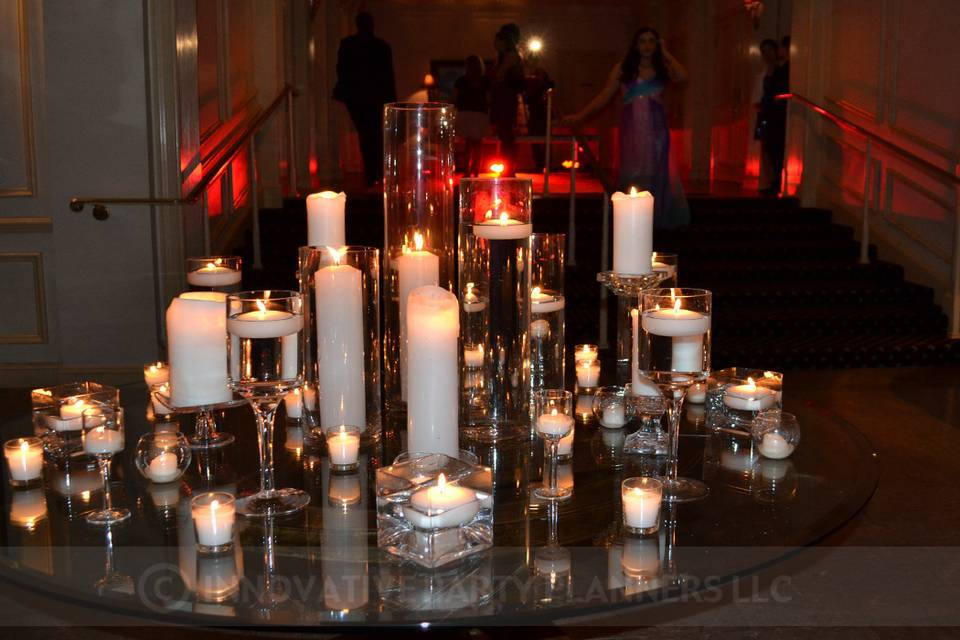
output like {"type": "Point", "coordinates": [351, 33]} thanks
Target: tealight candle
{"type": "Point", "coordinates": [473, 356]}
{"type": "Point", "coordinates": [749, 397]}
{"type": "Point", "coordinates": [588, 374]}
{"type": "Point", "coordinates": [343, 446]}
{"type": "Point", "coordinates": [472, 303]}
{"type": "Point", "coordinates": [155, 373]}
{"type": "Point", "coordinates": [213, 517]}
{"type": "Point", "coordinates": [641, 499]}
{"type": "Point", "coordinates": [775, 446]}
{"type": "Point", "coordinates": [585, 353]}
{"type": "Point", "coordinates": [164, 467]}
{"type": "Point", "coordinates": [442, 506]}
{"type": "Point", "coordinates": [24, 459]}
{"type": "Point", "coordinates": [214, 274]}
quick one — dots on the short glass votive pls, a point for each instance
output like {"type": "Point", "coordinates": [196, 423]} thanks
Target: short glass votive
{"type": "Point", "coordinates": [776, 434]}
{"type": "Point", "coordinates": [344, 489]}
{"type": "Point", "coordinates": [163, 456]}
{"type": "Point", "coordinates": [612, 407]}
{"type": "Point", "coordinates": [735, 396]}
{"type": "Point", "coordinates": [588, 374]}
{"type": "Point", "coordinates": [585, 353]}
{"type": "Point", "coordinates": [343, 447]}
{"type": "Point", "coordinates": [214, 273]}
{"type": "Point", "coordinates": [160, 400]}
{"type": "Point", "coordinates": [641, 505]}
{"type": "Point", "coordinates": [214, 514]}
{"type": "Point", "coordinates": [24, 460]}
{"type": "Point", "coordinates": [433, 509]}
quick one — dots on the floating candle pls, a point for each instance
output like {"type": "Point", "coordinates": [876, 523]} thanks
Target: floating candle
{"type": "Point", "coordinates": [442, 506]}
{"type": "Point", "coordinates": [503, 228]}
{"type": "Point", "coordinates": [156, 373]}
{"type": "Point", "coordinates": [775, 446]}
{"type": "Point", "coordinates": [214, 274]}
{"type": "Point", "coordinates": [554, 425]}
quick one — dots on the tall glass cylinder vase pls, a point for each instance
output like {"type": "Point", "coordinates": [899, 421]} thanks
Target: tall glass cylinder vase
{"type": "Point", "coordinates": [494, 261]}
{"type": "Point", "coordinates": [418, 221]}
{"type": "Point", "coordinates": [341, 339]}
{"type": "Point", "coordinates": [547, 304]}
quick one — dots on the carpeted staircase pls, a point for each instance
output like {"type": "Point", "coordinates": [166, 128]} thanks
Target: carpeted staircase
{"type": "Point", "coordinates": [789, 291]}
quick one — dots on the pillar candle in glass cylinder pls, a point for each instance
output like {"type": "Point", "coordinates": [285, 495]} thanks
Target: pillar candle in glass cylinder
{"type": "Point", "coordinates": [417, 267]}
{"type": "Point", "coordinates": [325, 219]}
{"type": "Point", "coordinates": [632, 232]}
{"type": "Point", "coordinates": [340, 356]}
{"type": "Point", "coordinates": [433, 376]}
{"type": "Point", "coordinates": [197, 347]}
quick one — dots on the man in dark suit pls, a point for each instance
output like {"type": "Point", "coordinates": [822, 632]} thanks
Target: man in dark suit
{"type": "Point", "coordinates": [365, 83]}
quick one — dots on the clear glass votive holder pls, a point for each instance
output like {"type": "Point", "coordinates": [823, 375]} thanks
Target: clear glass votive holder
{"type": "Point", "coordinates": [343, 448]}
{"type": "Point", "coordinates": [341, 338]}
{"type": "Point", "coordinates": [24, 461]}
{"type": "Point", "coordinates": [214, 273]}
{"type": "Point", "coordinates": [734, 396]}
{"type": "Point", "coordinates": [58, 411]}
{"type": "Point", "coordinates": [776, 434]}
{"type": "Point", "coordinates": [433, 509]}
{"type": "Point", "coordinates": [163, 456]}
{"type": "Point", "coordinates": [494, 250]}
{"type": "Point", "coordinates": [214, 514]}
{"type": "Point", "coordinates": [547, 303]}
{"type": "Point", "coordinates": [155, 373]}
{"type": "Point", "coordinates": [585, 353]}
{"type": "Point", "coordinates": [641, 498]}
{"type": "Point", "coordinates": [613, 407]}
{"type": "Point", "coordinates": [588, 374]}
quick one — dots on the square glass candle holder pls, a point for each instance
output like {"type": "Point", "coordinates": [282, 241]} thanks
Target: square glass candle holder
{"type": "Point", "coordinates": [433, 509]}
{"type": "Point", "coordinates": [58, 411]}
{"type": "Point", "coordinates": [736, 395]}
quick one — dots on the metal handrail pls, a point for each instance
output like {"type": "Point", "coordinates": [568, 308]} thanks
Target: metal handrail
{"type": "Point", "coordinates": [208, 176]}
{"type": "Point", "coordinates": [925, 165]}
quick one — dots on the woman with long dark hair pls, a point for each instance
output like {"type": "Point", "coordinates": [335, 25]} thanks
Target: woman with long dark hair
{"type": "Point", "coordinates": [640, 79]}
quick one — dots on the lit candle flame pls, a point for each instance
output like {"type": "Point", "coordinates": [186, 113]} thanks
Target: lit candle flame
{"type": "Point", "coordinates": [262, 306]}
{"type": "Point", "coordinates": [24, 445]}
{"type": "Point", "coordinates": [769, 374]}
{"type": "Point", "coordinates": [418, 241]}
{"type": "Point", "coordinates": [554, 412]}
{"type": "Point", "coordinates": [441, 483]}
{"type": "Point", "coordinates": [633, 192]}
{"type": "Point", "coordinates": [676, 306]}
{"type": "Point", "coordinates": [653, 257]}
{"type": "Point", "coordinates": [536, 292]}
{"type": "Point", "coordinates": [334, 254]}
{"type": "Point", "coordinates": [751, 384]}
{"type": "Point", "coordinates": [504, 218]}
{"type": "Point", "coordinates": [214, 505]}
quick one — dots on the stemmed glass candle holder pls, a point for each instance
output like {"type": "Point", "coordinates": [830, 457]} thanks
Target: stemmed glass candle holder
{"type": "Point", "coordinates": [494, 256]}
{"type": "Point", "coordinates": [266, 329]}
{"type": "Point", "coordinates": [341, 338]}
{"type": "Point", "coordinates": [214, 273]}
{"type": "Point", "coordinates": [103, 436]}
{"type": "Point", "coordinates": [418, 168]}
{"type": "Point", "coordinates": [674, 334]}
{"type": "Point", "coordinates": [553, 411]}
{"type": "Point", "coordinates": [547, 304]}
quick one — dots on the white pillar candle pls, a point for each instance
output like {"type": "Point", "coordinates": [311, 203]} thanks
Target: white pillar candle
{"type": "Point", "coordinates": [214, 523]}
{"type": "Point", "coordinates": [774, 445]}
{"type": "Point", "coordinates": [293, 404]}
{"type": "Point", "coordinates": [325, 219]}
{"type": "Point", "coordinates": [641, 507]}
{"type": "Point", "coordinates": [635, 377]}
{"type": "Point", "coordinates": [749, 397]}
{"type": "Point", "coordinates": [415, 268]}
{"type": "Point", "coordinates": [340, 354]}
{"type": "Point", "coordinates": [102, 442]}
{"type": "Point", "coordinates": [214, 274]}
{"type": "Point", "coordinates": [588, 374]}
{"type": "Point", "coordinates": [632, 232]}
{"type": "Point", "coordinates": [442, 506]}
{"type": "Point", "coordinates": [503, 228]}
{"type": "Point", "coordinates": [473, 356]}
{"type": "Point", "coordinates": [197, 347]}
{"type": "Point", "coordinates": [554, 424]}
{"type": "Point", "coordinates": [156, 373]}
{"type": "Point", "coordinates": [686, 327]}
{"type": "Point", "coordinates": [433, 372]}
{"type": "Point", "coordinates": [24, 459]}
{"type": "Point", "coordinates": [163, 467]}
{"type": "Point", "coordinates": [343, 447]}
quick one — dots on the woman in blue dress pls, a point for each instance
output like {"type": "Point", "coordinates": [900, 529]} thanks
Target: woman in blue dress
{"type": "Point", "coordinates": [640, 79]}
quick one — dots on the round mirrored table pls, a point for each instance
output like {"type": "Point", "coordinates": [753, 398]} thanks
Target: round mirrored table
{"type": "Point", "coordinates": [321, 568]}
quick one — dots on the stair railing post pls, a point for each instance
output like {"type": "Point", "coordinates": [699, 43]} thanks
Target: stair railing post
{"type": "Point", "coordinates": [255, 204]}
{"type": "Point", "coordinates": [955, 303]}
{"type": "Point", "coordinates": [291, 148]}
{"type": "Point", "coordinates": [546, 145]}
{"type": "Point", "coordinates": [602, 342]}
{"type": "Point", "coordinates": [572, 226]}
{"type": "Point", "coordinates": [867, 193]}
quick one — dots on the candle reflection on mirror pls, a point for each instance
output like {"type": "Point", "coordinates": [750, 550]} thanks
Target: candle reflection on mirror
{"type": "Point", "coordinates": [344, 559]}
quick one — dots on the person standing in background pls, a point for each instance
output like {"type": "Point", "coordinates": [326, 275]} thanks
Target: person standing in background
{"type": "Point", "coordinates": [771, 129]}
{"type": "Point", "coordinates": [365, 82]}
{"type": "Point", "coordinates": [506, 84]}
{"type": "Point", "coordinates": [538, 84]}
{"type": "Point", "coordinates": [473, 123]}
